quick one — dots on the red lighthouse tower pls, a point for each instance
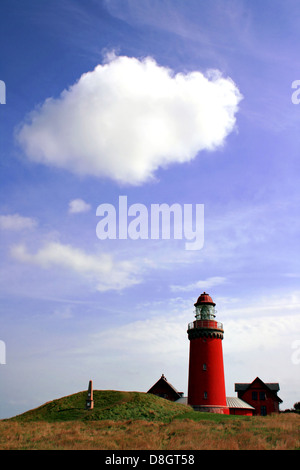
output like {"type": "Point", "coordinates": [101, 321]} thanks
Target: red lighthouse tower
{"type": "Point", "coordinates": [206, 385]}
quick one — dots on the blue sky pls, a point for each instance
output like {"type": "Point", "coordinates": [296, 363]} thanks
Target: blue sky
{"type": "Point", "coordinates": [176, 102]}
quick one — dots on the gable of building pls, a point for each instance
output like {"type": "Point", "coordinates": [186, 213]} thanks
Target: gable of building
{"type": "Point", "coordinates": [260, 388]}
{"type": "Point", "coordinates": [165, 389]}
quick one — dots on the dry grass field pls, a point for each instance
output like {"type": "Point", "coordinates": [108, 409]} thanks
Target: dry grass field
{"type": "Point", "coordinates": [167, 426]}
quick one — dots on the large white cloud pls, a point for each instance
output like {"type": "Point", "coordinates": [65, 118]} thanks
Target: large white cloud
{"type": "Point", "coordinates": [128, 117]}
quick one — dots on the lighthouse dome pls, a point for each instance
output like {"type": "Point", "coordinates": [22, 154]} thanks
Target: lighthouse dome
{"type": "Point", "coordinates": [204, 299]}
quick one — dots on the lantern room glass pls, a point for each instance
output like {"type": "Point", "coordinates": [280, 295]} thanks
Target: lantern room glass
{"type": "Point", "coordinates": [205, 312]}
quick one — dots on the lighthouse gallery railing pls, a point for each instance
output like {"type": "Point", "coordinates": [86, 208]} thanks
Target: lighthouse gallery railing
{"type": "Point", "coordinates": [205, 324]}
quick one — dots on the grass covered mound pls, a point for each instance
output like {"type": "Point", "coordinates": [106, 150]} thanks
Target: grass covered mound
{"type": "Point", "coordinates": [108, 404]}
{"type": "Point", "coordinates": [138, 421]}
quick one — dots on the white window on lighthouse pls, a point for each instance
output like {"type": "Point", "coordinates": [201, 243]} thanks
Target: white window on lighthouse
{"type": "Point", "coordinates": [205, 312]}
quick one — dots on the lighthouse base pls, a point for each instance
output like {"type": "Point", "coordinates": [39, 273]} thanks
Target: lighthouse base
{"type": "Point", "coordinates": [223, 410]}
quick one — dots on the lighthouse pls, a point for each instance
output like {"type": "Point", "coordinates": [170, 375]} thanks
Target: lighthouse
{"type": "Point", "coordinates": [206, 383]}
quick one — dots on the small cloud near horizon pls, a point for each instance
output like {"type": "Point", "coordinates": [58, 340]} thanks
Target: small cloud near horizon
{"type": "Point", "coordinates": [202, 285]}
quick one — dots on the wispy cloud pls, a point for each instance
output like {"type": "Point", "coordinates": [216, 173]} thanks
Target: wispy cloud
{"type": "Point", "coordinates": [104, 272]}
{"type": "Point", "coordinates": [202, 284]}
{"type": "Point", "coordinates": [62, 313]}
{"type": "Point", "coordinates": [16, 222]}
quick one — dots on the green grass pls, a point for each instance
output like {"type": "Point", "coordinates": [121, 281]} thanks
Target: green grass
{"type": "Point", "coordinates": [116, 406]}
{"type": "Point", "coordinates": [215, 417]}
{"type": "Point", "coordinates": [108, 404]}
